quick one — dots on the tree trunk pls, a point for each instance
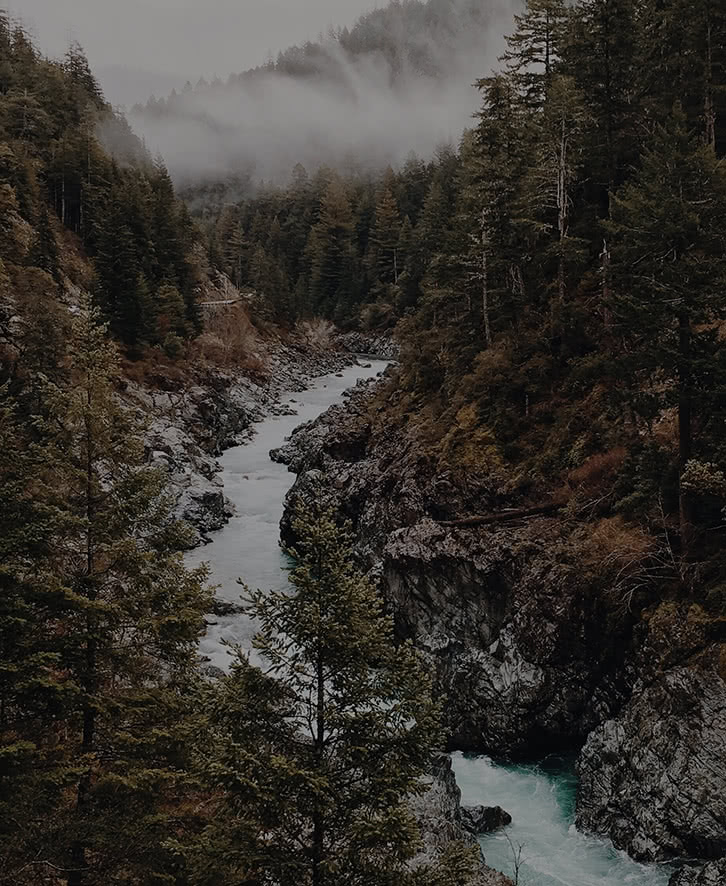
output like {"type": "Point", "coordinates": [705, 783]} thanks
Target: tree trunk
{"type": "Point", "coordinates": [89, 679]}
{"type": "Point", "coordinates": [606, 291]}
{"type": "Point", "coordinates": [684, 426]}
{"type": "Point", "coordinates": [485, 280]}
{"type": "Point", "coordinates": [504, 516]}
{"type": "Point", "coordinates": [318, 817]}
{"type": "Point", "coordinates": [709, 111]}
{"type": "Point", "coordinates": [562, 220]}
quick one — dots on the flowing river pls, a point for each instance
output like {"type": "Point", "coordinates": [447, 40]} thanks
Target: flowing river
{"type": "Point", "coordinates": [248, 546]}
{"type": "Point", "coordinates": [540, 800]}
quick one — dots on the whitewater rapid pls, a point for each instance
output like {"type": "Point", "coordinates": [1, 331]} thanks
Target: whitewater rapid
{"type": "Point", "coordinates": [541, 801]}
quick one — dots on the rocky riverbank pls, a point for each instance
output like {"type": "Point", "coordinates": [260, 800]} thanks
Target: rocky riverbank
{"type": "Point", "coordinates": [192, 420]}
{"type": "Point", "coordinates": [515, 640]}
{"type": "Point", "coordinates": [444, 821]}
{"type": "Point", "coordinates": [530, 658]}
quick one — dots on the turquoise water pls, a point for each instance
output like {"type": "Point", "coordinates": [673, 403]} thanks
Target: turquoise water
{"type": "Point", "coordinates": [541, 801]}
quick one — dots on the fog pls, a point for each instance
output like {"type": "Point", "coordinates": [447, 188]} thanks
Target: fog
{"type": "Point", "coordinates": [405, 86]}
{"type": "Point", "coordinates": [362, 109]}
{"type": "Point", "coordinates": [142, 47]}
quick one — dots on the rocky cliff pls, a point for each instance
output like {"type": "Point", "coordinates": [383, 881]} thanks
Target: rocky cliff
{"type": "Point", "coordinates": [504, 615]}
{"type": "Point", "coordinates": [443, 821]}
{"type": "Point", "coordinates": [531, 658]}
{"type": "Point", "coordinates": [654, 776]}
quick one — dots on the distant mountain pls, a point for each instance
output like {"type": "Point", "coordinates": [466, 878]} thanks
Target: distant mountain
{"type": "Point", "coordinates": [399, 80]}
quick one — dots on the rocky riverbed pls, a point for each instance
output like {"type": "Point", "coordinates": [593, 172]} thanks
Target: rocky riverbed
{"type": "Point", "coordinates": [190, 424]}
{"type": "Point", "coordinates": [531, 661]}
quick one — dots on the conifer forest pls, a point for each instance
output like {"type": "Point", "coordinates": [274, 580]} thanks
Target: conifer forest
{"type": "Point", "coordinates": [363, 447]}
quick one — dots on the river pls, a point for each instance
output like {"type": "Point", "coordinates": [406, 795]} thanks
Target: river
{"type": "Point", "coordinates": [540, 800]}
{"type": "Point", "coordinates": [248, 546]}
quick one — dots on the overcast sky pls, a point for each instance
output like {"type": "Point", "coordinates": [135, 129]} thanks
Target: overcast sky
{"type": "Point", "coordinates": [137, 47]}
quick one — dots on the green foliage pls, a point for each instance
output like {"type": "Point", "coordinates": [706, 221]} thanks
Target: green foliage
{"type": "Point", "coordinates": [122, 208]}
{"type": "Point", "coordinates": [316, 754]}
{"type": "Point", "coordinates": [99, 635]}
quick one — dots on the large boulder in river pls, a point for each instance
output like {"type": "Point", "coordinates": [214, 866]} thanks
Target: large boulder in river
{"type": "Point", "coordinates": [484, 819]}
{"type": "Point", "coordinates": [654, 778]}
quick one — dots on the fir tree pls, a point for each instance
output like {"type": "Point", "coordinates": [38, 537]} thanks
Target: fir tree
{"type": "Point", "coordinates": [668, 227]}
{"type": "Point", "coordinates": [317, 753]}
{"type": "Point", "coordinates": [132, 615]}
{"type": "Point", "coordinates": [331, 250]}
{"type": "Point", "coordinates": [385, 238]}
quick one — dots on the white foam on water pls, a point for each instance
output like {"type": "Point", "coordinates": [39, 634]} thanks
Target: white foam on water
{"type": "Point", "coordinates": [248, 546]}
{"type": "Point", "coordinates": [541, 801]}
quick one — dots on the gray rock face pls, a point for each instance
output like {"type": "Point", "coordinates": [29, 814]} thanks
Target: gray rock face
{"type": "Point", "coordinates": [515, 640]}
{"type": "Point", "coordinates": [484, 819]}
{"type": "Point", "coordinates": [654, 779]}
{"type": "Point", "coordinates": [439, 814]}
{"type": "Point", "coordinates": [382, 347]}
{"type": "Point", "coordinates": [713, 874]}
{"type": "Point", "coordinates": [530, 660]}
{"type": "Point", "coordinates": [508, 630]}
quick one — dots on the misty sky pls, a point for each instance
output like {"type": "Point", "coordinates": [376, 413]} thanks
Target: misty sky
{"type": "Point", "coordinates": [139, 47]}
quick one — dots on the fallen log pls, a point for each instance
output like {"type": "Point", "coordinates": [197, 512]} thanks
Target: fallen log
{"type": "Point", "coordinates": [504, 516]}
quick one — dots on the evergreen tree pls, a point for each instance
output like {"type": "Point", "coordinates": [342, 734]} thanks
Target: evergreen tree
{"type": "Point", "coordinates": [668, 227]}
{"type": "Point", "coordinates": [385, 238]}
{"type": "Point", "coordinates": [601, 54]}
{"type": "Point", "coordinates": [331, 251]}
{"type": "Point", "coordinates": [548, 186]}
{"type": "Point", "coordinates": [534, 48]}
{"type": "Point", "coordinates": [127, 640]}
{"type": "Point", "coordinates": [315, 756]}
{"type": "Point", "coordinates": [34, 698]}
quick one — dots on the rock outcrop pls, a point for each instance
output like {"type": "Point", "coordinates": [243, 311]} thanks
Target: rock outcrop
{"type": "Point", "coordinates": [513, 636]}
{"type": "Point", "coordinates": [531, 660]}
{"type": "Point", "coordinates": [443, 821]}
{"type": "Point", "coordinates": [713, 874]}
{"type": "Point", "coordinates": [654, 777]}
{"type": "Point", "coordinates": [370, 344]}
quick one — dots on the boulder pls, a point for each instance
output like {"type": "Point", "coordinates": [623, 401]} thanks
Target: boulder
{"type": "Point", "coordinates": [484, 819]}
{"type": "Point", "coordinates": [713, 874]}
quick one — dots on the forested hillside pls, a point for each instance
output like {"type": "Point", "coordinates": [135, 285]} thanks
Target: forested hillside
{"type": "Point", "coordinates": [557, 279]}
{"type": "Point", "coordinates": [556, 282]}
{"type": "Point", "coordinates": [71, 171]}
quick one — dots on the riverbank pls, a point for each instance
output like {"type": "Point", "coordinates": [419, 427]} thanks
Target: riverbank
{"type": "Point", "coordinates": [194, 416]}
{"type": "Point", "coordinates": [529, 648]}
